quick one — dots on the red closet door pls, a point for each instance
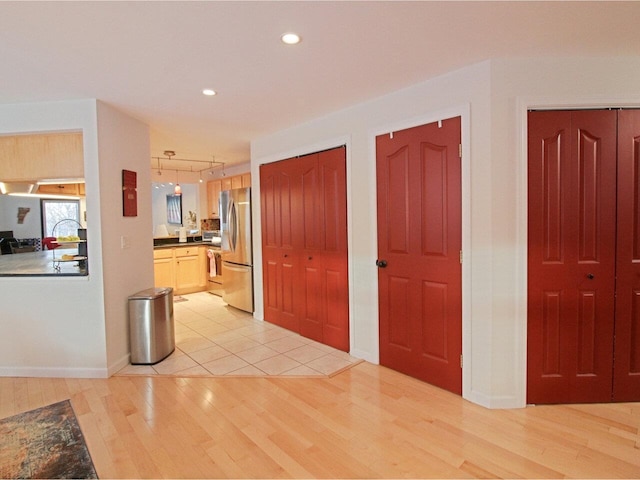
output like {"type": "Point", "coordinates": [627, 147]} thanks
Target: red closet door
{"type": "Point", "coordinates": [309, 304]}
{"type": "Point", "coordinates": [278, 186]}
{"type": "Point", "coordinates": [626, 376]}
{"type": "Point", "coordinates": [305, 258]}
{"type": "Point", "coordinates": [419, 245]}
{"type": "Point", "coordinates": [571, 266]}
{"type": "Point", "coordinates": [332, 202]}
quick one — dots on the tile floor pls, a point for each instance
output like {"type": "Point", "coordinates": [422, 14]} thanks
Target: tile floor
{"type": "Point", "coordinates": [213, 339]}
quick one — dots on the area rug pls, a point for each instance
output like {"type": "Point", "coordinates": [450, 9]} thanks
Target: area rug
{"type": "Point", "coordinates": [44, 443]}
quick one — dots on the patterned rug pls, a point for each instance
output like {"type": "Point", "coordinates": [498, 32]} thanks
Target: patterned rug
{"type": "Point", "coordinates": [44, 443]}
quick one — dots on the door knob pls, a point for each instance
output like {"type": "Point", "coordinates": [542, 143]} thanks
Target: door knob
{"type": "Point", "coordinates": [590, 276]}
{"type": "Point", "coordinates": [381, 263]}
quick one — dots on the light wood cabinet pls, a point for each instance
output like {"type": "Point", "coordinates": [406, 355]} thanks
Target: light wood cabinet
{"type": "Point", "coordinates": [214, 187]}
{"type": "Point", "coordinates": [163, 272]}
{"type": "Point", "coordinates": [246, 180]}
{"type": "Point", "coordinates": [35, 156]}
{"type": "Point", "coordinates": [63, 189]}
{"type": "Point", "coordinates": [163, 266]}
{"type": "Point", "coordinates": [202, 260]}
{"type": "Point", "coordinates": [236, 182]}
{"type": "Point", "coordinates": [227, 184]}
{"type": "Point", "coordinates": [187, 274]}
{"type": "Point", "coordinates": [183, 268]}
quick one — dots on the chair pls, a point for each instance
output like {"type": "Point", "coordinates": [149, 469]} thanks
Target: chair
{"type": "Point", "coordinates": [49, 243]}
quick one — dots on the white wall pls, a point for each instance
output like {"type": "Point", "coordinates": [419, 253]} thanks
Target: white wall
{"type": "Point", "coordinates": [517, 85]}
{"type": "Point", "coordinates": [465, 93]}
{"type": "Point", "coordinates": [126, 242]}
{"type": "Point", "coordinates": [31, 227]}
{"type": "Point", "coordinates": [190, 202]}
{"type": "Point", "coordinates": [55, 325]}
{"type": "Point", "coordinates": [193, 179]}
{"type": "Point", "coordinates": [74, 326]}
{"type": "Point", "coordinates": [492, 98]}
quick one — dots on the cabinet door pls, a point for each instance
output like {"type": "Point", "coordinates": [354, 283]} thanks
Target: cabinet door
{"type": "Point", "coordinates": [61, 189]}
{"type": "Point", "coordinates": [202, 260]}
{"type": "Point", "coordinates": [163, 272]}
{"type": "Point", "coordinates": [213, 197]}
{"type": "Point", "coordinates": [226, 183]}
{"type": "Point", "coordinates": [236, 182]}
{"type": "Point", "coordinates": [246, 180]}
{"type": "Point", "coordinates": [187, 274]}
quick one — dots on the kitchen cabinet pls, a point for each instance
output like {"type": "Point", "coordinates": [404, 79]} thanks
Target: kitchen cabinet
{"type": "Point", "coordinates": [163, 266]}
{"type": "Point", "coordinates": [236, 182]}
{"type": "Point", "coordinates": [246, 180]}
{"type": "Point", "coordinates": [183, 268]}
{"type": "Point", "coordinates": [227, 184]}
{"type": "Point", "coordinates": [73, 189]}
{"type": "Point", "coordinates": [35, 156]}
{"type": "Point", "coordinates": [214, 187]}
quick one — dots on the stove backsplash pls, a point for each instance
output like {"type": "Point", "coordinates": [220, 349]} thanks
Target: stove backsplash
{"type": "Point", "coordinates": [210, 224]}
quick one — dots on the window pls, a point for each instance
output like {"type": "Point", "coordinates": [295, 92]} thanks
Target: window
{"type": "Point", "coordinates": [53, 214]}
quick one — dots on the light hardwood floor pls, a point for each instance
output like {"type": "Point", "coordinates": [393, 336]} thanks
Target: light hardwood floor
{"type": "Point", "coordinates": [367, 421]}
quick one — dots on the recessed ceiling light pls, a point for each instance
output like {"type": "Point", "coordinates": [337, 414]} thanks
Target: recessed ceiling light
{"type": "Point", "coordinates": [208, 92]}
{"type": "Point", "coordinates": [290, 38]}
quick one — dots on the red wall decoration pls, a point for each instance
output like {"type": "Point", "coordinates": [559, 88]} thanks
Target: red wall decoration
{"type": "Point", "coordinates": [129, 194]}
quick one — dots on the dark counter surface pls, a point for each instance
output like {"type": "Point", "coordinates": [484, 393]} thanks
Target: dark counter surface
{"type": "Point", "coordinates": [173, 240]}
{"type": "Point", "coordinates": [40, 264]}
{"type": "Point", "coordinates": [170, 242]}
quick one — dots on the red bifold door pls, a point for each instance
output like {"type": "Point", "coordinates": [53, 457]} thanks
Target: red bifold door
{"type": "Point", "coordinates": [583, 256]}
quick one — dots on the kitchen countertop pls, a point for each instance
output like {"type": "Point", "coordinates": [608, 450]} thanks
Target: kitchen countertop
{"type": "Point", "coordinates": [40, 263]}
{"type": "Point", "coordinates": [189, 244]}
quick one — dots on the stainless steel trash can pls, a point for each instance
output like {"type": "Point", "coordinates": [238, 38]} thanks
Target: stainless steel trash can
{"type": "Point", "coordinates": [151, 325]}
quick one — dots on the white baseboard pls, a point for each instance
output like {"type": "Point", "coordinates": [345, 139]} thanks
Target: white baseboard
{"type": "Point", "coordinates": [119, 365]}
{"type": "Point", "coordinates": [363, 355]}
{"type": "Point", "coordinates": [497, 402]}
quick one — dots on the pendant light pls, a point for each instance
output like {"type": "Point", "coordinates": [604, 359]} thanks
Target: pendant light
{"type": "Point", "coordinates": [177, 190]}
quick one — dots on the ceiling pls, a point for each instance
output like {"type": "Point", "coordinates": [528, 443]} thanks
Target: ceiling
{"type": "Point", "coordinates": [152, 59]}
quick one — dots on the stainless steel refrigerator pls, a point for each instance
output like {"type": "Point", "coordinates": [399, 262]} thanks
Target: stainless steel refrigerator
{"type": "Point", "coordinates": [237, 254]}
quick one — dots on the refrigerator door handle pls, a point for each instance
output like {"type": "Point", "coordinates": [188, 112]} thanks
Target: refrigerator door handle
{"type": "Point", "coordinates": [237, 268]}
{"type": "Point", "coordinates": [233, 225]}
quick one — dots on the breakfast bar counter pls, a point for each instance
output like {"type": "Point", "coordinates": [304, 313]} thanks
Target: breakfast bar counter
{"type": "Point", "coordinates": [42, 263]}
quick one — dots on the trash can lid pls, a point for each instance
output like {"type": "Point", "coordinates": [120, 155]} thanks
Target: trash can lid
{"type": "Point", "coordinates": [151, 293]}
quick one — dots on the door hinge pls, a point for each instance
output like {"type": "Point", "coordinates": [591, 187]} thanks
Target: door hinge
{"type": "Point", "coordinates": [460, 360]}
{"type": "Point", "coordinates": [460, 256]}
{"type": "Point", "coordinates": [460, 150]}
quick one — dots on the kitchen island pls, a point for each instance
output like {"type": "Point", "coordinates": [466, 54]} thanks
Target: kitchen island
{"type": "Point", "coordinates": [46, 263]}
